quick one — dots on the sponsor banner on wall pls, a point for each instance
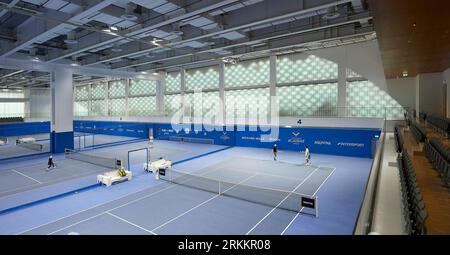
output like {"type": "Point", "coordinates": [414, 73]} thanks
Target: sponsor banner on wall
{"type": "Point", "coordinates": [345, 142]}
{"type": "Point", "coordinates": [129, 129]}
{"type": "Point", "coordinates": [334, 141]}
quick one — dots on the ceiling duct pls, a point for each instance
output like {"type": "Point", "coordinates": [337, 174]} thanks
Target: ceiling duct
{"type": "Point", "coordinates": [71, 39]}
{"type": "Point", "coordinates": [332, 13]}
{"type": "Point", "coordinates": [33, 56]}
{"type": "Point", "coordinates": [116, 48]}
{"type": "Point", "coordinates": [129, 13]}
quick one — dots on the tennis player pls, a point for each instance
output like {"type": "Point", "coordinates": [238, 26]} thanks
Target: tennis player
{"type": "Point", "coordinates": [51, 163]}
{"type": "Point", "coordinates": [307, 156]}
{"type": "Point", "coordinates": [275, 150]}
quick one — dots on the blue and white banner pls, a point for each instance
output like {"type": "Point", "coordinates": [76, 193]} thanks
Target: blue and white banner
{"type": "Point", "coordinates": [335, 141]}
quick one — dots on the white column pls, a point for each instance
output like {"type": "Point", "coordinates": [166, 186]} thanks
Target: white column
{"type": "Point", "coordinates": [89, 86]}
{"type": "Point", "coordinates": [62, 110]}
{"type": "Point", "coordinates": [417, 87]}
{"type": "Point", "coordinates": [183, 89]}
{"type": "Point", "coordinates": [273, 103]}
{"type": "Point", "coordinates": [127, 94]}
{"type": "Point", "coordinates": [342, 89]}
{"type": "Point", "coordinates": [27, 105]}
{"type": "Point", "coordinates": [273, 75]}
{"type": "Point", "coordinates": [160, 90]}
{"type": "Point", "coordinates": [446, 81]}
{"type": "Point", "coordinates": [447, 99]}
{"type": "Point", "coordinates": [222, 88]}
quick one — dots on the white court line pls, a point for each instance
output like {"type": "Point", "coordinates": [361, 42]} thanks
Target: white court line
{"type": "Point", "coordinates": [53, 181]}
{"type": "Point", "coordinates": [131, 223]}
{"type": "Point", "coordinates": [31, 178]}
{"type": "Point", "coordinates": [112, 209]}
{"type": "Point", "coordinates": [259, 173]}
{"type": "Point", "coordinates": [273, 209]}
{"type": "Point", "coordinates": [296, 216]}
{"type": "Point", "coordinates": [193, 208]}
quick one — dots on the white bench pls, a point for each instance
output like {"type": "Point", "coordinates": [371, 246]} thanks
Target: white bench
{"type": "Point", "coordinates": [26, 140]}
{"type": "Point", "coordinates": [108, 178]}
{"type": "Point", "coordinates": [158, 164]}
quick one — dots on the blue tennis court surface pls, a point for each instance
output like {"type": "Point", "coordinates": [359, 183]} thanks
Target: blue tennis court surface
{"type": "Point", "coordinates": [145, 205]}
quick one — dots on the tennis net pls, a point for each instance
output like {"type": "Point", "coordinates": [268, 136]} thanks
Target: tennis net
{"type": "Point", "coordinates": [31, 146]}
{"type": "Point", "coordinates": [191, 139]}
{"type": "Point", "coordinates": [111, 163]}
{"type": "Point", "coordinates": [282, 199]}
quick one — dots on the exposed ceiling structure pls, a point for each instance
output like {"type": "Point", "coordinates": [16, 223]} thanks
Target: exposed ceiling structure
{"type": "Point", "coordinates": [414, 36]}
{"type": "Point", "coordinates": [11, 79]}
{"type": "Point", "coordinates": [160, 35]}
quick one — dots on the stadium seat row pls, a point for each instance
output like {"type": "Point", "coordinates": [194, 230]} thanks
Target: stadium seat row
{"type": "Point", "coordinates": [440, 157]}
{"type": "Point", "coordinates": [423, 116]}
{"type": "Point", "coordinates": [418, 132]}
{"type": "Point", "coordinates": [399, 141]}
{"type": "Point", "coordinates": [443, 125]}
{"type": "Point", "coordinates": [413, 205]}
{"type": "Point", "coordinates": [11, 119]}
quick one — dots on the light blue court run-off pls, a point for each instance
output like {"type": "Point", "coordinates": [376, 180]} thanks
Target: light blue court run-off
{"type": "Point", "coordinates": [145, 205]}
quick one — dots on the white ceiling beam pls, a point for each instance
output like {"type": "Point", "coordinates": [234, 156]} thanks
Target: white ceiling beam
{"type": "Point", "coordinates": [295, 40]}
{"type": "Point", "coordinates": [11, 63]}
{"type": "Point", "coordinates": [10, 5]}
{"type": "Point", "coordinates": [39, 30]}
{"type": "Point", "coordinates": [282, 13]}
{"type": "Point", "coordinates": [196, 9]}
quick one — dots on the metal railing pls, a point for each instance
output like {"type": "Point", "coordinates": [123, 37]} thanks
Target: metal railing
{"type": "Point", "coordinates": [382, 112]}
{"type": "Point", "coordinates": [25, 115]}
{"type": "Point", "coordinates": [365, 216]}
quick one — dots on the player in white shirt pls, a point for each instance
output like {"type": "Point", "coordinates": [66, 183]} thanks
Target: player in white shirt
{"type": "Point", "coordinates": [307, 155]}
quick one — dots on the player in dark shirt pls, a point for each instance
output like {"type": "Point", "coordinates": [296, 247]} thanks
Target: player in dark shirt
{"type": "Point", "coordinates": [275, 150]}
{"type": "Point", "coordinates": [51, 163]}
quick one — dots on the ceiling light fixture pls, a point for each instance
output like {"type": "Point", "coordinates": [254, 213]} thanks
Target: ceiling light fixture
{"type": "Point", "coordinates": [332, 13]}
{"type": "Point", "coordinates": [230, 60]}
{"type": "Point", "coordinates": [177, 33]}
{"type": "Point", "coordinates": [113, 28]}
{"type": "Point", "coordinates": [116, 49]}
{"type": "Point", "coordinates": [156, 42]}
{"type": "Point", "coordinates": [129, 13]}
{"type": "Point", "coordinates": [71, 38]}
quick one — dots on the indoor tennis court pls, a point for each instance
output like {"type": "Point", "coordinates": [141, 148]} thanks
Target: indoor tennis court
{"type": "Point", "coordinates": [177, 209]}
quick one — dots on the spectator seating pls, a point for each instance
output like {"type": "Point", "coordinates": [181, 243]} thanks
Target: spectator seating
{"type": "Point", "coordinates": [11, 119]}
{"type": "Point", "coordinates": [399, 141]}
{"type": "Point", "coordinates": [414, 114]}
{"type": "Point", "coordinates": [440, 158]}
{"type": "Point", "coordinates": [423, 116]}
{"type": "Point", "coordinates": [413, 205]}
{"type": "Point", "coordinates": [418, 132]}
{"type": "Point", "coordinates": [440, 123]}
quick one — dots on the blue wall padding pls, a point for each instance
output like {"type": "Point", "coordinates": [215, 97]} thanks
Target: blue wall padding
{"type": "Point", "coordinates": [335, 141]}
{"type": "Point", "coordinates": [25, 128]}
{"type": "Point", "coordinates": [61, 141]}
